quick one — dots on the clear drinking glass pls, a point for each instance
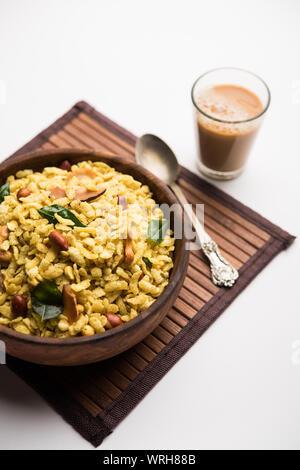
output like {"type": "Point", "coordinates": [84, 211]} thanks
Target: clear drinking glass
{"type": "Point", "coordinates": [225, 135]}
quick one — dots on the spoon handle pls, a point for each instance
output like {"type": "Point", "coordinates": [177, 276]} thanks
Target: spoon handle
{"type": "Point", "coordinates": [223, 273]}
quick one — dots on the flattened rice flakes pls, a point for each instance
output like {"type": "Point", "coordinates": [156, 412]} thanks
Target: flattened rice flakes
{"type": "Point", "coordinates": [94, 264]}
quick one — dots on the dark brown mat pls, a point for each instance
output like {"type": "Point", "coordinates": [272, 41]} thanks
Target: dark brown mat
{"type": "Point", "coordinates": [95, 398]}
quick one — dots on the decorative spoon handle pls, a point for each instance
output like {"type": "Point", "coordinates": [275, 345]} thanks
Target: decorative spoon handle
{"type": "Point", "coordinates": [222, 272]}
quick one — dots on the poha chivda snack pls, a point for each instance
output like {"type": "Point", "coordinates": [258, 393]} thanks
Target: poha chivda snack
{"type": "Point", "coordinates": [83, 248]}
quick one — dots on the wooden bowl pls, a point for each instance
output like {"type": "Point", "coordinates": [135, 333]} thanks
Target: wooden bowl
{"type": "Point", "coordinates": [88, 349]}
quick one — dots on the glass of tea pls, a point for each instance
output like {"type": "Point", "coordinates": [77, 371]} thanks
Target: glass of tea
{"type": "Point", "coordinates": [229, 104]}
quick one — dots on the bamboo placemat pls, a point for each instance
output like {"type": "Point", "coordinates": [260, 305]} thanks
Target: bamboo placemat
{"type": "Point", "coordinates": [95, 398]}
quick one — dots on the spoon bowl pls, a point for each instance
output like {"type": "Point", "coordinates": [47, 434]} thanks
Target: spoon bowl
{"type": "Point", "coordinates": [156, 156]}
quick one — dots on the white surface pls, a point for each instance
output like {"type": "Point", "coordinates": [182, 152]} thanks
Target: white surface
{"type": "Point", "coordinates": [135, 61]}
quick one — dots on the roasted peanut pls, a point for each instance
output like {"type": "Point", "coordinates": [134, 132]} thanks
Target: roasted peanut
{"type": "Point", "coordinates": [65, 165]}
{"type": "Point", "coordinates": [3, 233]}
{"type": "Point", "coordinates": [129, 255]}
{"type": "Point", "coordinates": [113, 320]}
{"type": "Point", "coordinates": [82, 173]}
{"type": "Point", "coordinates": [59, 240]}
{"type": "Point", "coordinates": [18, 306]}
{"type": "Point", "coordinates": [57, 192]}
{"type": "Point", "coordinates": [23, 192]}
{"type": "Point", "coordinates": [5, 257]}
{"type": "Point", "coordinates": [70, 304]}
{"type": "Point", "coordinates": [83, 194]}
{"type": "Point", "coordinates": [122, 201]}
{"type": "Point", "coordinates": [2, 287]}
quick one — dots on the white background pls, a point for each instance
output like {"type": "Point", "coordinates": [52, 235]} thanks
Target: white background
{"type": "Point", "coordinates": [135, 61]}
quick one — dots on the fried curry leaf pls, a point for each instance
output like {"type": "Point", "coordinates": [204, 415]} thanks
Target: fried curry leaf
{"type": "Point", "coordinates": [48, 212]}
{"type": "Point", "coordinates": [157, 230]}
{"type": "Point", "coordinates": [147, 262]}
{"type": "Point", "coordinates": [46, 300]}
{"type": "Point", "coordinates": [4, 191]}
{"type": "Point", "coordinates": [45, 311]}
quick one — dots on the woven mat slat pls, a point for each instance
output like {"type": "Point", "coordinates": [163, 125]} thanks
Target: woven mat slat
{"type": "Point", "coordinates": [95, 398]}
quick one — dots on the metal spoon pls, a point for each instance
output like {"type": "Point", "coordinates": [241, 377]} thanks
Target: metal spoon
{"type": "Point", "coordinates": [155, 155]}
